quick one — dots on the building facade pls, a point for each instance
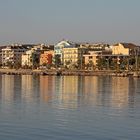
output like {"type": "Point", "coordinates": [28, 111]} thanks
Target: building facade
{"type": "Point", "coordinates": [1, 47]}
{"type": "Point", "coordinates": [91, 58]}
{"type": "Point", "coordinates": [58, 49]}
{"type": "Point", "coordinates": [11, 55]}
{"type": "Point", "coordinates": [72, 55]}
{"type": "Point", "coordinates": [124, 49]}
{"type": "Point", "coordinates": [31, 57]}
{"type": "Point", "coordinates": [46, 58]}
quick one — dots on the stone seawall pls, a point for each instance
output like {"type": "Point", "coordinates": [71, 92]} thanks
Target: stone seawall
{"type": "Point", "coordinates": [68, 72]}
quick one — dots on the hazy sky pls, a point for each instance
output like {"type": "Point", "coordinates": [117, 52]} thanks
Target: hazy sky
{"type": "Point", "coordinates": [49, 21]}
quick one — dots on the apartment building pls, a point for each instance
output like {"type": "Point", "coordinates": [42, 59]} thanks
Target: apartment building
{"type": "Point", "coordinates": [124, 49]}
{"type": "Point", "coordinates": [11, 55]}
{"type": "Point", "coordinates": [58, 48]}
{"type": "Point", "coordinates": [46, 57]}
{"type": "Point", "coordinates": [72, 55]}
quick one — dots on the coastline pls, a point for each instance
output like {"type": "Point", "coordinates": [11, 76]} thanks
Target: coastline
{"type": "Point", "coordinates": [69, 72]}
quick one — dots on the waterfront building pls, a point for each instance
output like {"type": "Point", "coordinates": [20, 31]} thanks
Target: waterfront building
{"type": "Point", "coordinates": [91, 58]}
{"type": "Point", "coordinates": [96, 52]}
{"type": "Point", "coordinates": [0, 57]}
{"type": "Point", "coordinates": [124, 49]}
{"type": "Point", "coordinates": [43, 47]}
{"type": "Point", "coordinates": [58, 49]}
{"type": "Point", "coordinates": [46, 57]}
{"type": "Point", "coordinates": [1, 47]}
{"type": "Point", "coordinates": [32, 57]}
{"type": "Point", "coordinates": [94, 46]}
{"type": "Point", "coordinates": [72, 55]}
{"type": "Point", "coordinates": [11, 55]}
{"type": "Point", "coordinates": [26, 58]}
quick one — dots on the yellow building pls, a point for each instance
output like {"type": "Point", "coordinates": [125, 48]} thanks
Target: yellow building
{"type": "Point", "coordinates": [91, 57]}
{"type": "Point", "coordinates": [71, 55]}
{"type": "Point", "coordinates": [58, 48]}
{"type": "Point", "coordinates": [123, 49]}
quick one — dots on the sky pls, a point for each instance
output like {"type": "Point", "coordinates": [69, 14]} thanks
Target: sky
{"type": "Point", "coordinates": [50, 21]}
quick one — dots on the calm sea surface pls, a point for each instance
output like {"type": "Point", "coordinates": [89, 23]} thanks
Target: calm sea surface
{"type": "Point", "coordinates": [69, 108]}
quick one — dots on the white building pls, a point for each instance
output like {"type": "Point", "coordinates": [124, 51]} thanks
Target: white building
{"type": "Point", "coordinates": [58, 48]}
{"type": "Point", "coordinates": [11, 55]}
{"type": "Point", "coordinates": [32, 56]}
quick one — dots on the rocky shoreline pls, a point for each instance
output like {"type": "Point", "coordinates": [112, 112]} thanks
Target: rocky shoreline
{"type": "Point", "coordinates": [69, 72]}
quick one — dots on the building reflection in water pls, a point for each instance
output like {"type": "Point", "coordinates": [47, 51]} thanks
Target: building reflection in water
{"type": "Point", "coordinates": [80, 90]}
{"type": "Point", "coordinates": [70, 91]}
{"type": "Point", "coordinates": [88, 87]}
{"type": "Point", "coordinates": [120, 91]}
{"type": "Point", "coordinates": [27, 87]}
{"type": "Point", "coordinates": [7, 89]}
{"type": "Point", "coordinates": [133, 90]}
{"type": "Point", "coordinates": [67, 88]}
{"type": "Point", "coordinates": [108, 91]}
{"type": "Point", "coordinates": [0, 87]}
{"type": "Point", "coordinates": [96, 90]}
{"type": "Point", "coordinates": [47, 84]}
{"type": "Point", "coordinates": [30, 88]}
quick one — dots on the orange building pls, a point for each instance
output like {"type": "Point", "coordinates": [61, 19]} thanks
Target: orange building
{"type": "Point", "coordinates": [46, 57]}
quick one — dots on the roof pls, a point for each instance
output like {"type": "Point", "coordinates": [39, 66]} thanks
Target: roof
{"type": "Point", "coordinates": [2, 47]}
{"type": "Point", "coordinates": [127, 45]}
{"type": "Point", "coordinates": [71, 46]}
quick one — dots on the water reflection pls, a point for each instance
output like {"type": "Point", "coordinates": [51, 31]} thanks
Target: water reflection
{"type": "Point", "coordinates": [67, 89]}
{"type": "Point", "coordinates": [70, 91]}
{"type": "Point", "coordinates": [120, 92]}
{"type": "Point", "coordinates": [7, 87]}
{"type": "Point", "coordinates": [27, 87]}
{"type": "Point", "coordinates": [47, 86]}
{"type": "Point", "coordinates": [69, 107]}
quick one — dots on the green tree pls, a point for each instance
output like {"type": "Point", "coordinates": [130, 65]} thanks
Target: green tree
{"type": "Point", "coordinates": [57, 60]}
{"type": "Point", "coordinates": [9, 64]}
{"type": "Point", "coordinates": [67, 63]}
{"type": "Point", "coordinates": [34, 59]}
{"type": "Point", "coordinates": [101, 63]}
{"type": "Point", "coordinates": [17, 65]}
{"type": "Point", "coordinates": [90, 65]}
{"type": "Point", "coordinates": [123, 63]}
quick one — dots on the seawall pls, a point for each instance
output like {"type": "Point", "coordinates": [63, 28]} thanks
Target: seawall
{"type": "Point", "coordinates": [69, 72]}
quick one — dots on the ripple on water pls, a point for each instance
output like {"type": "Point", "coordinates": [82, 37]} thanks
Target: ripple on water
{"type": "Point", "coordinates": [67, 108]}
